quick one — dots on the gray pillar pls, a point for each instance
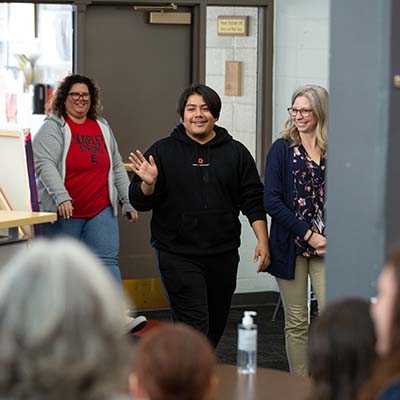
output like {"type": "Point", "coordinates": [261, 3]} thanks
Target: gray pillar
{"type": "Point", "coordinates": [392, 211]}
{"type": "Point", "coordinates": [359, 115]}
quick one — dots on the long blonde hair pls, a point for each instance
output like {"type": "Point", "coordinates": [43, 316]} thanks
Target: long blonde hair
{"type": "Point", "coordinates": [318, 98]}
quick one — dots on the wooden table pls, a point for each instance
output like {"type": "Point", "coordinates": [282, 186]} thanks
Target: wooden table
{"type": "Point", "coordinates": [13, 219]}
{"type": "Point", "coordinates": [264, 384]}
{"type": "Point", "coordinates": [129, 167]}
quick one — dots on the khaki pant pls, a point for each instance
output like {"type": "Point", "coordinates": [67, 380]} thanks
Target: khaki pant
{"type": "Point", "coordinates": [294, 294]}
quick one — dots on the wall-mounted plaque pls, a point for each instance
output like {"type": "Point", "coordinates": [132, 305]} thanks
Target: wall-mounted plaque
{"type": "Point", "coordinates": [233, 25]}
{"type": "Point", "coordinates": [233, 78]}
{"type": "Point", "coordinates": [171, 18]}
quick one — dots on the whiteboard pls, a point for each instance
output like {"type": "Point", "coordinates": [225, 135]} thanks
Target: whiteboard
{"type": "Point", "coordinates": [14, 180]}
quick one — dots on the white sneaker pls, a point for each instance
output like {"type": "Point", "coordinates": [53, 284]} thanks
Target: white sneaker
{"type": "Point", "coordinates": [135, 324]}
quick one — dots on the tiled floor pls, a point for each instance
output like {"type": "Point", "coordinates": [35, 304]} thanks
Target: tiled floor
{"type": "Point", "coordinates": [271, 343]}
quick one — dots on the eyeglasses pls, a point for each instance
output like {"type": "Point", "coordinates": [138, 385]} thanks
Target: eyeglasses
{"type": "Point", "coordinates": [304, 112]}
{"type": "Point", "coordinates": [77, 95]}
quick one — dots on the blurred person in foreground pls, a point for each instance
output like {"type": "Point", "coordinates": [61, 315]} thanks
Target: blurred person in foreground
{"type": "Point", "coordinates": [385, 311]}
{"type": "Point", "coordinates": [341, 350]}
{"type": "Point", "coordinates": [61, 320]}
{"type": "Point", "coordinates": [174, 361]}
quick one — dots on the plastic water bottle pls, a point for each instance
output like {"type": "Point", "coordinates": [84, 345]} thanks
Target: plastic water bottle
{"type": "Point", "coordinates": [247, 344]}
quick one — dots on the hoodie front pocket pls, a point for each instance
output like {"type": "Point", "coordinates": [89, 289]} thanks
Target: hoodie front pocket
{"type": "Point", "coordinates": [209, 228]}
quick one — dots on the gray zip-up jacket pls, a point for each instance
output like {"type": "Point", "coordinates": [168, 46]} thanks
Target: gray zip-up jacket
{"type": "Point", "coordinates": [50, 149]}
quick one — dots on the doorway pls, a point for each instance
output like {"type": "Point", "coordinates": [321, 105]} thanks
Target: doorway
{"type": "Point", "coordinates": [141, 69]}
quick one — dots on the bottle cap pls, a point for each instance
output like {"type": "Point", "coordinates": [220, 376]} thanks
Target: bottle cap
{"type": "Point", "coordinates": [247, 319]}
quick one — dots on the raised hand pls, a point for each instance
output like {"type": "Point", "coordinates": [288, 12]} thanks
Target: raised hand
{"type": "Point", "coordinates": [147, 170]}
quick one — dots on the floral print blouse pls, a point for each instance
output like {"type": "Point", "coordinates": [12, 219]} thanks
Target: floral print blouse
{"type": "Point", "coordinates": [309, 193]}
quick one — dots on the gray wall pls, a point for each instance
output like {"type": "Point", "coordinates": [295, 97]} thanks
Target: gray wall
{"type": "Point", "coordinates": [392, 213]}
{"type": "Point", "coordinates": [359, 229]}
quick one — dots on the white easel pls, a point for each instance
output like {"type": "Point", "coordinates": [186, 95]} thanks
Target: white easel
{"type": "Point", "coordinates": [14, 180]}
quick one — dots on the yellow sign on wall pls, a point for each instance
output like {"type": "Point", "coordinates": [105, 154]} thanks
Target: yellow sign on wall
{"type": "Point", "coordinates": [233, 25]}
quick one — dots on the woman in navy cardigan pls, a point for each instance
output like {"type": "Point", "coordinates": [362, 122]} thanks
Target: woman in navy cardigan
{"type": "Point", "coordinates": [294, 197]}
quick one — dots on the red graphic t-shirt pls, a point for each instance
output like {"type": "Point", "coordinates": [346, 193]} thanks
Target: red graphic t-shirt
{"type": "Point", "coordinates": [87, 166]}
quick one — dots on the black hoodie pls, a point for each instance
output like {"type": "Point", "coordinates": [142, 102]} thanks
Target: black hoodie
{"type": "Point", "coordinates": [199, 192]}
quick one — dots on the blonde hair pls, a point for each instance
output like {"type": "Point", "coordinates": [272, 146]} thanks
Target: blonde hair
{"type": "Point", "coordinates": [318, 98]}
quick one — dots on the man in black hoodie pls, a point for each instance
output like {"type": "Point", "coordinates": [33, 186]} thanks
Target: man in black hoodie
{"type": "Point", "coordinates": [196, 181]}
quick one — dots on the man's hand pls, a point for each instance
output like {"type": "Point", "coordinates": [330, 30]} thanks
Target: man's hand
{"type": "Point", "coordinates": [147, 170]}
{"type": "Point", "coordinates": [65, 209]}
{"type": "Point", "coordinates": [134, 216]}
{"type": "Point", "coordinates": [262, 254]}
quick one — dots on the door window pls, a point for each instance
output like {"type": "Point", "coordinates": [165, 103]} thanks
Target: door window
{"type": "Point", "coordinates": [35, 54]}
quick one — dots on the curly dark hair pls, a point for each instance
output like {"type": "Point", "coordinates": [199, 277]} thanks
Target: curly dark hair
{"type": "Point", "coordinates": [56, 104]}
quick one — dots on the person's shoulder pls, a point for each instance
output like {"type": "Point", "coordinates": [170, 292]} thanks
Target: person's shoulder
{"type": "Point", "coordinates": [165, 141]}
{"type": "Point", "coordinates": [281, 143]}
{"type": "Point", "coordinates": [279, 146]}
{"type": "Point", "coordinates": [236, 143]}
{"type": "Point", "coordinates": [279, 151]}
{"type": "Point", "coordinates": [239, 146]}
{"type": "Point", "coordinates": [163, 144]}
{"type": "Point", "coordinates": [52, 125]}
{"type": "Point", "coordinates": [392, 392]}
{"type": "Point", "coordinates": [54, 120]}
{"type": "Point", "coordinates": [102, 120]}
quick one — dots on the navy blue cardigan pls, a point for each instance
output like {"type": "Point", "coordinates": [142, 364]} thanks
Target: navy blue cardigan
{"type": "Point", "coordinates": [392, 392]}
{"type": "Point", "coordinates": [278, 203]}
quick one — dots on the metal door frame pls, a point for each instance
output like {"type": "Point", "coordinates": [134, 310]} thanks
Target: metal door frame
{"type": "Point", "coordinates": [264, 112]}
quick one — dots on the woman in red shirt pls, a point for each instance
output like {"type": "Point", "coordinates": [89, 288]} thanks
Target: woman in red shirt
{"type": "Point", "coordinates": [80, 173]}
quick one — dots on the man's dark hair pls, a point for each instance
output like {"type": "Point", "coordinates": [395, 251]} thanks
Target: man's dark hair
{"type": "Point", "coordinates": [209, 95]}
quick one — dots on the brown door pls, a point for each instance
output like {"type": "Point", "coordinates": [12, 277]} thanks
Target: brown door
{"type": "Point", "coordinates": [141, 68]}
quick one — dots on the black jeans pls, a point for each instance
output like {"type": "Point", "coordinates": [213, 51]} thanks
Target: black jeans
{"type": "Point", "coordinates": [200, 289]}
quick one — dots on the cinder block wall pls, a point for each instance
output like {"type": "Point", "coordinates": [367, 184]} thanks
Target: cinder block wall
{"type": "Point", "coordinates": [301, 55]}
